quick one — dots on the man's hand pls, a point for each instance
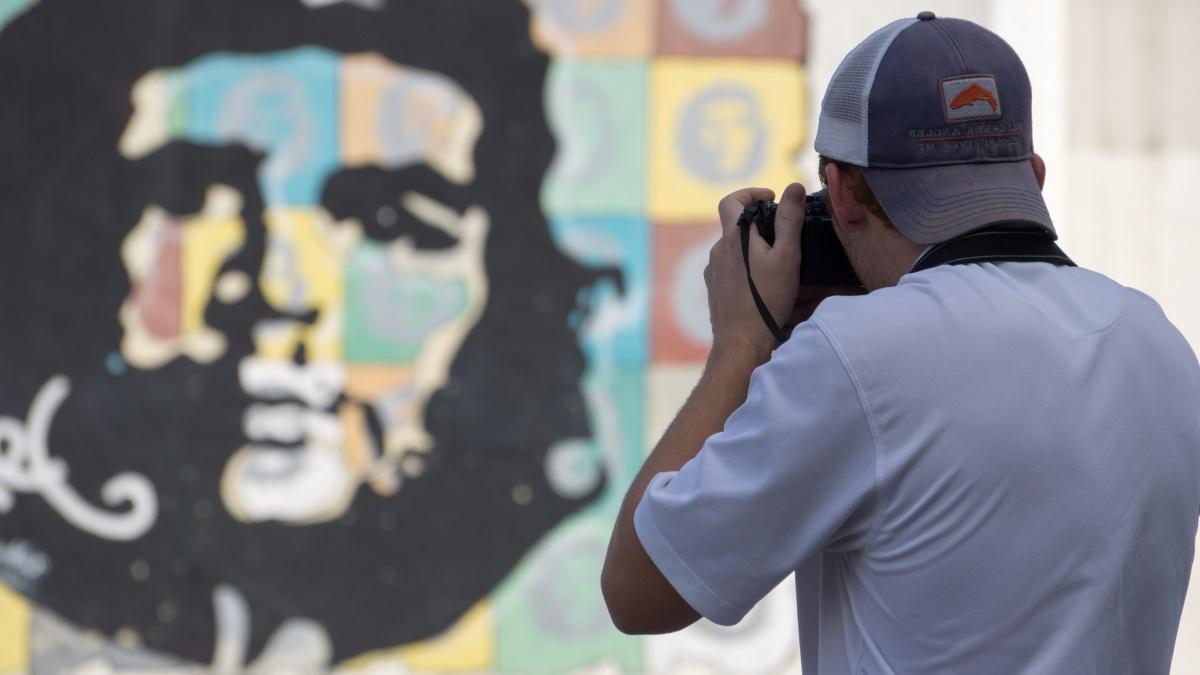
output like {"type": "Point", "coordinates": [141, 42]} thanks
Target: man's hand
{"type": "Point", "coordinates": [776, 270]}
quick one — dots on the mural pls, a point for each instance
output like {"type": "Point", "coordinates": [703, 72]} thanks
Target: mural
{"type": "Point", "coordinates": [337, 329]}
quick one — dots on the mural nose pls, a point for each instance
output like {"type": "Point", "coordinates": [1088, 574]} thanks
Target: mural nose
{"type": "Point", "coordinates": [302, 279]}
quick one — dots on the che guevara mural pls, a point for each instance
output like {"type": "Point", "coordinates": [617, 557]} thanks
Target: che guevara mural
{"type": "Point", "coordinates": [328, 329]}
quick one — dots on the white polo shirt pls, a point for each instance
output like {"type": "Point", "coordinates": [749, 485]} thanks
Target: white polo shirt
{"type": "Point", "coordinates": [989, 468]}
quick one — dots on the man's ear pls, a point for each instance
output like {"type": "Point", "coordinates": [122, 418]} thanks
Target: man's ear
{"type": "Point", "coordinates": [848, 213]}
{"type": "Point", "coordinates": [1039, 169]}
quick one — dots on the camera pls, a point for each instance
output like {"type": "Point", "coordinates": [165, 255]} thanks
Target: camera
{"type": "Point", "coordinates": [823, 261]}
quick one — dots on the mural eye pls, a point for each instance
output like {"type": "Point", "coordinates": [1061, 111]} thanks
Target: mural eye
{"type": "Point", "coordinates": [374, 198]}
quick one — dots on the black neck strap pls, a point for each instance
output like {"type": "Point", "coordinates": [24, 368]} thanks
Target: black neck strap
{"type": "Point", "coordinates": [999, 243]}
{"type": "Point", "coordinates": [994, 244]}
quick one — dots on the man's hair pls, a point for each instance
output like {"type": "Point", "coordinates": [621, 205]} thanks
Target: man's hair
{"type": "Point", "coordinates": [858, 187]}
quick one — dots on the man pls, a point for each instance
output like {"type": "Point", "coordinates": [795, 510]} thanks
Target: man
{"type": "Point", "coordinates": [982, 467]}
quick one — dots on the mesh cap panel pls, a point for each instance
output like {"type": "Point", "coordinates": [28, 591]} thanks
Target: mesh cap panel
{"type": "Point", "coordinates": [842, 127]}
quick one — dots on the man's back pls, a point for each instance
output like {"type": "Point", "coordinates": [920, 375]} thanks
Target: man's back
{"type": "Point", "coordinates": [1037, 476]}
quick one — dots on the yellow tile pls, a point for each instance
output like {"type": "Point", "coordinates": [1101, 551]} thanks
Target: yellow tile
{"type": "Point", "coordinates": [208, 243]}
{"type": "Point", "coordinates": [14, 631]}
{"type": "Point", "coordinates": [720, 125]}
{"type": "Point", "coordinates": [468, 645]}
{"type": "Point", "coordinates": [303, 270]}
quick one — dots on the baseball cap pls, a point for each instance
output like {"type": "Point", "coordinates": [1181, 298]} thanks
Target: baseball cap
{"type": "Point", "coordinates": [936, 112]}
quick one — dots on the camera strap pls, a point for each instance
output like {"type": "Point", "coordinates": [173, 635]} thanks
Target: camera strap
{"type": "Point", "coordinates": [998, 243]}
{"type": "Point", "coordinates": [758, 301]}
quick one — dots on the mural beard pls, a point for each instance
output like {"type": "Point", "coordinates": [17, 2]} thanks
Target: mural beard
{"type": "Point", "coordinates": [391, 569]}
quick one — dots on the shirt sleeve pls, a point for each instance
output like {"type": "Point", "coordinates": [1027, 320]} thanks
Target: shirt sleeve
{"type": "Point", "coordinates": [792, 473]}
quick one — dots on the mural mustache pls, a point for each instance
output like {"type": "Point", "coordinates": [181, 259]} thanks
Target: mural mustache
{"type": "Point", "coordinates": [277, 356]}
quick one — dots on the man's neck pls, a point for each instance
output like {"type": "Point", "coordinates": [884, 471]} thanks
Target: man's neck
{"type": "Point", "coordinates": [881, 256]}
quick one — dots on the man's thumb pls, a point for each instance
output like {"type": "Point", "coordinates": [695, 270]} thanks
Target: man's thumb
{"type": "Point", "coordinates": [789, 218]}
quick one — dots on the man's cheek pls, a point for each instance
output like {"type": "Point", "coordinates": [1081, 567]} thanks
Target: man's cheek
{"type": "Point", "coordinates": [172, 263]}
{"type": "Point", "coordinates": [408, 311]}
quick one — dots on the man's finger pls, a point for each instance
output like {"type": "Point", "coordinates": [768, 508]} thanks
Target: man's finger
{"type": "Point", "coordinates": [732, 205]}
{"type": "Point", "coordinates": [789, 218]}
{"type": "Point", "coordinates": [758, 246]}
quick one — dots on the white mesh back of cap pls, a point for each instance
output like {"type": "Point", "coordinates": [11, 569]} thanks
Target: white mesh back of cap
{"type": "Point", "coordinates": [842, 127]}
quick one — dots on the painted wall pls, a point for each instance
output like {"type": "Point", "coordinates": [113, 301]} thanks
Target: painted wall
{"type": "Point", "coordinates": [329, 323]}
{"type": "Point", "coordinates": [335, 329]}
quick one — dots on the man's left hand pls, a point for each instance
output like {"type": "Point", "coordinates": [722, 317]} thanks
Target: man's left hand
{"type": "Point", "coordinates": [776, 271]}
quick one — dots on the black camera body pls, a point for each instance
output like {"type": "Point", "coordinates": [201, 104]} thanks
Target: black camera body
{"type": "Point", "coordinates": [823, 261]}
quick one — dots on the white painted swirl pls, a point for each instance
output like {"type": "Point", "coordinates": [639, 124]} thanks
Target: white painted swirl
{"type": "Point", "coordinates": [26, 466]}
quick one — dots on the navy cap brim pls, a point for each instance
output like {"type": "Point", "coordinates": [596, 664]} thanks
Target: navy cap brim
{"type": "Point", "coordinates": [932, 204]}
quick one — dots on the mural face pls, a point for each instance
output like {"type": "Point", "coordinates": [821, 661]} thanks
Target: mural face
{"type": "Point", "coordinates": [386, 319]}
{"type": "Point", "coordinates": [293, 343]}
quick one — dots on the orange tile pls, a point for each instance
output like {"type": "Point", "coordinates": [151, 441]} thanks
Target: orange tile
{"type": "Point", "coordinates": [679, 327]}
{"type": "Point", "coordinates": [769, 28]}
